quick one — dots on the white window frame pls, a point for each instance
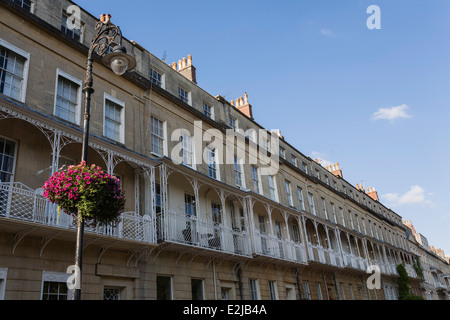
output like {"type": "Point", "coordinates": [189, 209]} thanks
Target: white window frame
{"type": "Point", "coordinates": [289, 192]}
{"type": "Point", "coordinates": [273, 290]}
{"type": "Point", "coordinates": [306, 290]}
{"type": "Point", "coordinates": [187, 150]}
{"type": "Point", "coordinates": [239, 171]}
{"type": "Point", "coordinates": [163, 137]}
{"type": "Point", "coordinates": [352, 224]}
{"type": "Point", "coordinates": [294, 160]}
{"type": "Point", "coordinates": [32, 5]}
{"type": "Point", "coordinates": [16, 151]}
{"type": "Point", "coordinates": [324, 208]}
{"type": "Point", "coordinates": [257, 181]}
{"type": "Point", "coordinates": [312, 206]}
{"type": "Point", "coordinates": [185, 99]}
{"type": "Point", "coordinates": [211, 109]}
{"type": "Point", "coordinates": [300, 198]}
{"type": "Point", "coordinates": [122, 116]}
{"type": "Point", "coordinates": [254, 290]}
{"type": "Point", "coordinates": [282, 153]}
{"type": "Point", "coordinates": [50, 276]}
{"type": "Point", "coordinates": [60, 73]}
{"type": "Point", "coordinates": [341, 213]}
{"type": "Point", "coordinates": [215, 166]}
{"type": "Point", "coordinates": [26, 67]}
{"type": "Point", "coordinates": [81, 30]}
{"type": "Point", "coordinates": [162, 75]}
{"type": "Point", "coordinates": [233, 126]}
{"type": "Point", "coordinates": [304, 167]}
{"type": "Point", "coordinates": [273, 187]}
{"type": "Point", "coordinates": [333, 212]}
{"type": "Point", "coordinates": [319, 291]}
{"type": "Point", "coordinates": [3, 277]}
{"type": "Point", "coordinates": [341, 285]}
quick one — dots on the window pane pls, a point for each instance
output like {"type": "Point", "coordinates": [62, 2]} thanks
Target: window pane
{"type": "Point", "coordinates": [11, 73]}
{"type": "Point", "coordinates": [67, 99]}
{"type": "Point", "coordinates": [113, 122]}
{"type": "Point", "coordinates": [163, 288]}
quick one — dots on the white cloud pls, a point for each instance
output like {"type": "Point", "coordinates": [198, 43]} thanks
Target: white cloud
{"type": "Point", "coordinates": [320, 157]}
{"type": "Point", "coordinates": [415, 195]}
{"type": "Point", "coordinates": [327, 32]}
{"type": "Point", "coordinates": [391, 114]}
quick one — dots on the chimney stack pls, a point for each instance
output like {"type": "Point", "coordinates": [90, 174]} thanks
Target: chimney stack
{"type": "Point", "coordinates": [334, 169]}
{"type": "Point", "coordinates": [242, 105]}
{"type": "Point", "coordinates": [371, 192]}
{"type": "Point", "coordinates": [277, 132]}
{"type": "Point", "coordinates": [186, 68]}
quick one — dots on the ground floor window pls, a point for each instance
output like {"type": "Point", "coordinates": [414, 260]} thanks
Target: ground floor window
{"type": "Point", "coordinates": [163, 288]}
{"type": "Point", "coordinates": [54, 286]}
{"type": "Point", "coordinates": [197, 289]}
{"type": "Point", "coordinates": [111, 293]}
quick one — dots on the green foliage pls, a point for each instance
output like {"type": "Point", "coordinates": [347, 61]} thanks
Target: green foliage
{"type": "Point", "coordinates": [418, 268]}
{"type": "Point", "coordinates": [403, 283]}
{"type": "Point", "coordinates": [86, 192]}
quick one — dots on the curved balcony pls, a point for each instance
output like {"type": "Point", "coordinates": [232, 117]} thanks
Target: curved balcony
{"type": "Point", "coordinates": [273, 247]}
{"type": "Point", "coordinates": [355, 262]}
{"type": "Point", "coordinates": [191, 230]}
{"type": "Point", "coordinates": [322, 255]}
{"type": "Point", "coordinates": [21, 203]}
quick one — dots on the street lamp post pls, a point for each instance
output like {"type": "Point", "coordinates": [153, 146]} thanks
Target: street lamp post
{"type": "Point", "coordinates": [114, 56]}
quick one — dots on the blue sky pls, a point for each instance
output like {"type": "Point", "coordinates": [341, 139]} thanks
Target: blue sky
{"type": "Point", "coordinates": [376, 101]}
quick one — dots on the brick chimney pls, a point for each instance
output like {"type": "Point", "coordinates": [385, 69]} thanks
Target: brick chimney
{"type": "Point", "coordinates": [334, 169]}
{"type": "Point", "coordinates": [186, 68]}
{"type": "Point", "coordinates": [371, 192]}
{"type": "Point", "coordinates": [242, 105]}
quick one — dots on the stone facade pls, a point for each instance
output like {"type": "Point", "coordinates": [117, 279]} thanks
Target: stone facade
{"type": "Point", "coordinates": [207, 230]}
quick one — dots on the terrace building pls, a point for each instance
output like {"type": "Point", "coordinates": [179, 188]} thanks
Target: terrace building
{"type": "Point", "coordinates": [192, 229]}
{"type": "Point", "coordinates": [435, 284]}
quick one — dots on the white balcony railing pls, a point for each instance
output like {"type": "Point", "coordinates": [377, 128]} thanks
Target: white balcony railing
{"type": "Point", "coordinates": [20, 202]}
{"type": "Point", "coordinates": [327, 256]}
{"type": "Point", "coordinates": [188, 229]}
{"type": "Point", "coordinates": [271, 246]}
{"type": "Point", "coordinates": [355, 262]}
{"type": "Point", "coordinates": [410, 270]}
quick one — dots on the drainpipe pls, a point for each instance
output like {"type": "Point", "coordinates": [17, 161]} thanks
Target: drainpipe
{"type": "Point", "coordinates": [326, 285]}
{"type": "Point", "coordinates": [336, 286]}
{"type": "Point", "coordinates": [214, 279]}
{"type": "Point", "coordinates": [300, 295]}
{"type": "Point", "coordinates": [238, 273]}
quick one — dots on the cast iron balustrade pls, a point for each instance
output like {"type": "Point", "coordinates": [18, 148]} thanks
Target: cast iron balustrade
{"type": "Point", "coordinates": [19, 202]}
{"type": "Point", "coordinates": [197, 232]}
{"type": "Point", "coordinates": [272, 246]}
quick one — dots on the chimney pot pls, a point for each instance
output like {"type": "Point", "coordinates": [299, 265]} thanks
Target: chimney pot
{"type": "Point", "coordinates": [189, 60]}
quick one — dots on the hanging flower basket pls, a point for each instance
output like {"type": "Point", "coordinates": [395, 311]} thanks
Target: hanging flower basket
{"type": "Point", "coordinates": [86, 192]}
